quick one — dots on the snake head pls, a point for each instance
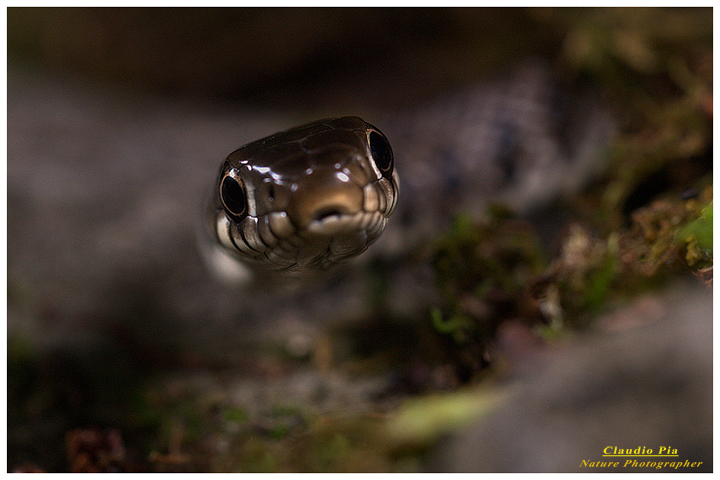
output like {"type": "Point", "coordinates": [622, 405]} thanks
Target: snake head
{"type": "Point", "coordinates": [307, 198]}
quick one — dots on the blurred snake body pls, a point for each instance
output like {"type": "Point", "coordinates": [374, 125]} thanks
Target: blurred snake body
{"type": "Point", "coordinates": [301, 201]}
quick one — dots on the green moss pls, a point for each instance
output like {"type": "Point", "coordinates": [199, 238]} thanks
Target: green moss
{"type": "Point", "coordinates": [698, 237]}
{"type": "Point", "coordinates": [483, 270]}
{"type": "Point", "coordinates": [236, 415]}
{"type": "Point", "coordinates": [600, 282]}
{"type": "Point", "coordinates": [458, 326]}
{"type": "Point", "coordinates": [331, 451]}
{"type": "Point", "coordinates": [426, 419]}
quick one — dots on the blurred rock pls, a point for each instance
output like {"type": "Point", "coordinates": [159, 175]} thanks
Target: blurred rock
{"type": "Point", "coordinates": [650, 387]}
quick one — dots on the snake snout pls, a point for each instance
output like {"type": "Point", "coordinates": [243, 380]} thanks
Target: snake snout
{"type": "Point", "coordinates": [325, 197]}
{"type": "Point", "coordinates": [332, 217]}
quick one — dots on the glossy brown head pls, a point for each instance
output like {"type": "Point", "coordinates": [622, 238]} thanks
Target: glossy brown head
{"type": "Point", "coordinates": [306, 199]}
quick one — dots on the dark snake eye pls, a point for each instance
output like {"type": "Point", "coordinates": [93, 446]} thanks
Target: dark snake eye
{"type": "Point", "coordinates": [232, 197]}
{"type": "Point", "coordinates": [381, 151]}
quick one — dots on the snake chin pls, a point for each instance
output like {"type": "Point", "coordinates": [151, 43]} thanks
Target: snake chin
{"type": "Point", "coordinates": [224, 267]}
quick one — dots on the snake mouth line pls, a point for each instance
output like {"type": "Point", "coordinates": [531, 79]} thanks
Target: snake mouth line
{"type": "Point", "coordinates": [328, 213]}
{"type": "Point", "coordinates": [334, 222]}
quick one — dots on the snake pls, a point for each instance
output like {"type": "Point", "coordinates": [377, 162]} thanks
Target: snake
{"type": "Point", "coordinates": [303, 201]}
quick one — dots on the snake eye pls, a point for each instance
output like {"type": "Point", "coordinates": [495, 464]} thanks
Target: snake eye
{"type": "Point", "coordinates": [232, 197]}
{"type": "Point", "coordinates": [381, 151]}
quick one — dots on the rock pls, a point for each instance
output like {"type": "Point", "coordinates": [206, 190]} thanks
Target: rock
{"type": "Point", "coordinates": [650, 388]}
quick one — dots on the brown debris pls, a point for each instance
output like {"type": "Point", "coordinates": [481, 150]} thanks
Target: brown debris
{"type": "Point", "coordinates": [95, 451]}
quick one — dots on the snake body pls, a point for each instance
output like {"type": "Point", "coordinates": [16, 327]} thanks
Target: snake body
{"type": "Point", "coordinates": [304, 200]}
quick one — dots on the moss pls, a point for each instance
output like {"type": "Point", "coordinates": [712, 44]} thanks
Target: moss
{"type": "Point", "coordinates": [493, 271]}
{"type": "Point", "coordinates": [600, 282]}
{"type": "Point", "coordinates": [483, 273]}
{"type": "Point", "coordinates": [697, 236]}
{"type": "Point", "coordinates": [236, 415]}
{"type": "Point", "coordinates": [425, 419]}
{"type": "Point", "coordinates": [458, 326]}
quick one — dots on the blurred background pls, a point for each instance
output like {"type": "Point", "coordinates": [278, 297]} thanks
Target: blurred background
{"type": "Point", "coordinates": [124, 356]}
{"type": "Point", "coordinates": [281, 58]}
